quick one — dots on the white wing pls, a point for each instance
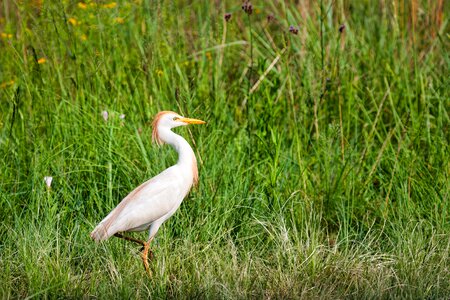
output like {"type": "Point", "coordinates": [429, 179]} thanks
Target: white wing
{"type": "Point", "coordinates": [149, 202]}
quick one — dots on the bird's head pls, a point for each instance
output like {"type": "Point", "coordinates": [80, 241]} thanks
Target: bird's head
{"type": "Point", "coordinates": [169, 120]}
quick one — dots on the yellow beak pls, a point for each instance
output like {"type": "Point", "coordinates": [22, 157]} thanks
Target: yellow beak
{"type": "Point", "coordinates": [191, 121]}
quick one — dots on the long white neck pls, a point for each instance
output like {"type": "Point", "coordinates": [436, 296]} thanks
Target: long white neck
{"type": "Point", "coordinates": [186, 155]}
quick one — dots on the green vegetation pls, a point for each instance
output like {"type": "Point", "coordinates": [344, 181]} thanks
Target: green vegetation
{"type": "Point", "coordinates": [324, 166]}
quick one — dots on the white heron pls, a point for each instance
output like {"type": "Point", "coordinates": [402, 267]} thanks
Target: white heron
{"type": "Point", "coordinates": [149, 205]}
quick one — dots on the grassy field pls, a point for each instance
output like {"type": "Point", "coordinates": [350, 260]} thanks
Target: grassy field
{"type": "Point", "coordinates": [324, 166]}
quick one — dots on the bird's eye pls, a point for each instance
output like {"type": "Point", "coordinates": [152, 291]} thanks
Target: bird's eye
{"type": "Point", "coordinates": [175, 118]}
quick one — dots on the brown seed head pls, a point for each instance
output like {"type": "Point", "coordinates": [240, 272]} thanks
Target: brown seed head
{"type": "Point", "coordinates": [247, 7]}
{"type": "Point", "coordinates": [293, 30]}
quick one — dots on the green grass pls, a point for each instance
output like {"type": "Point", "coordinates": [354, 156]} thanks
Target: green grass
{"type": "Point", "coordinates": [324, 166]}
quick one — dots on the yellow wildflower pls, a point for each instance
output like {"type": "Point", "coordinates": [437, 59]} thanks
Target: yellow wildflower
{"type": "Point", "coordinates": [6, 35]}
{"type": "Point", "coordinates": [208, 55]}
{"type": "Point", "coordinates": [82, 5]}
{"type": "Point", "coordinates": [73, 21]}
{"type": "Point", "coordinates": [41, 61]}
{"type": "Point", "coordinates": [119, 20]}
{"type": "Point", "coordinates": [110, 5]}
{"type": "Point", "coordinates": [159, 73]}
{"type": "Point", "coordinates": [83, 37]}
{"type": "Point", "coordinates": [7, 83]}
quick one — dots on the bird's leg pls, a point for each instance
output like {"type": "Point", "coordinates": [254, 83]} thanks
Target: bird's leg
{"type": "Point", "coordinates": [129, 238]}
{"type": "Point", "coordinates": [144, 251]}
{"type": "Point", "coordinates": [144, 256]}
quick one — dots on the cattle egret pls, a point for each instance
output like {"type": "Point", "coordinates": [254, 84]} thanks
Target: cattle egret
{"type": "Point", "coordinates": [156, 200]}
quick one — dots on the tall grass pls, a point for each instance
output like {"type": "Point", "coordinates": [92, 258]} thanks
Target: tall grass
{"type": "Point", "coordinates": [324, 167]}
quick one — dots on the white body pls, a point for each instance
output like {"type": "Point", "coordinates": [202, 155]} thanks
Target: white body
{"type": "Point", "coordinates": [153, 202]}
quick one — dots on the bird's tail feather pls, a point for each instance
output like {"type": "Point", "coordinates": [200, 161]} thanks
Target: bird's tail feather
{"type": "Point", "coordinates": [100, 232]}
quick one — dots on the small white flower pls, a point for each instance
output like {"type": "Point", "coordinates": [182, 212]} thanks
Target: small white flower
{"type": "Point", "coordinates": [48, 181]}
{"type": "Point", "coordinates": [122, 116]}
{"type": "Point", "coordinates": [105, 115]}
